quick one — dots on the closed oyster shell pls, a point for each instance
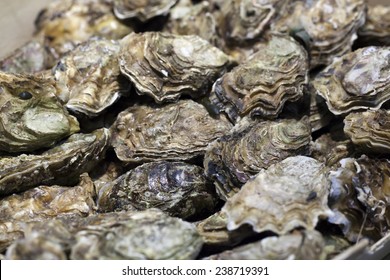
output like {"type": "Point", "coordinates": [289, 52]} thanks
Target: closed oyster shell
{"type": "Point", "coordinates": [177, 188]}
{"type": "Point", "coordinates": [369, 130]}
{"type": "Point", "coordinates": [234, 158]}
{"type": "Point", "coordinates": [142, 10]}
{"type": "Point", "coordinates": [31, 116]}
{"type": "Point", "coordinates": [360, 198]}
{"type": "Point", "coordinates": [376, 29]}
{"type": "Point", "coordinates": [289, 194]}
{"type": "Point", "coordinates": [60, 165]}
{"type": "Point", "coordinates": [88, 76]}
{"type": "Point", "coordinates": [300, 245]}
{"type": "Point", "coordinates": [357, 80]}
{"type": "Point", "coordinates": [165, 66]}
{"type": "Point", "coordinates": [176, 131]}
{"type": "Point", "coordinates": [261, 85]}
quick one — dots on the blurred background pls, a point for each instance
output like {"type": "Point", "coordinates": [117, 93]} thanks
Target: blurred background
{"type": "Point", "coordinates": [17, 21]}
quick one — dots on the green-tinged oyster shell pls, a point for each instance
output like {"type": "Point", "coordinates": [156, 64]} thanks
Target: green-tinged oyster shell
{"type": "Point", "coordinates": [300, 245]}
{"type": "Point", "coordinates": [165, 66]}
{"type": "Point", "coordinates": [60, 165]}
{"type": "Point", "coordinates": [289, 194]}
{"type": "Point", "coordinates": [179, 189]}
{"type": "Point", "coordinates": [234, 158]}
{"type": "Point", "coordinates": [88, 77]}
{"type": "Point", "coordinates": [178, 131]}
{"type": "Point", "coordinates": [142, 10]}
{"type": "Point", "coordinates": [31, 116]}
{"type": "Point", "coordinates": [357, 80]}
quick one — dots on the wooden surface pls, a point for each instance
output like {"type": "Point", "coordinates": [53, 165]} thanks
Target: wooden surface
{"type": "Point", "coordinates": [17, 21]}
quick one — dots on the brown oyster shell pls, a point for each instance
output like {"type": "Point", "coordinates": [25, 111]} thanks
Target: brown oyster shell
{"type": "Point", "coordinates": [300, 245]}
{"type": "Point", "coordinates": [178, 131]}
{"type": "Point", "coordinates": [369, 130]}
{"type": "Point", "coordinates": [376, 29]}
{"type": "Point", "coordinates": [360, 198]}
{"type": "Point", "coordinates": [357, 80]}
{"type": "Point", "coordinates": [142, 10]}
{"type": "Point", "coordinates": [262, 84]}
{"type": "Point", "coordinates": [60, 165]}
{"type": "Point", "coordinates": [31, 116]}
{"type": "Point", "coordinates": [234, 158]}
{"type": "Point", "coordinates": [177, 188]}
{"type": "Point", "coordinates": [165, 66]}
{"type": "Point", "coordinates": [289, 194]}
{"type": "Point", "coordinates": [65, 24]}
{"type": "Point", "coordinates": [88, 76]}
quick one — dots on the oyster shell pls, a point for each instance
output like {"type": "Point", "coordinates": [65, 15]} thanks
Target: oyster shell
{"type": "Point", "coordinates": [176, 131]}
{"type": "Point", "coordinates": [376, 29]}
{"type": "Point", "coordinates": [289, 194]}
{"type": "Point", "coordinates": [88, 76]}
{"type": "Point", "coordinates": [369, 130]}
{"type": "Point", "coordinates": [262, 84]}
{"type": "Point", "coordinates": [65, 24]}
{"type": "Point", "coordinates": [360, 198]}
{"type": "Point", "coordinates": [142, 10]}
{"type": "Point", "coordinates": [60, 165]}
{"type": "Point", "coordinates": [319, 115]}
{"type": "Point", "coordinates": [299, 245]}
{"type": "Point", "coordinates": [165, 66]}
{"type": "Point", "coordinates": [234, 158]}
{"type": "Point", "coordinates": [31, 116]}
{"type": "Point", "coordinates": [179, 189]}
{"type": "Point", "coordinates": [357, 80]}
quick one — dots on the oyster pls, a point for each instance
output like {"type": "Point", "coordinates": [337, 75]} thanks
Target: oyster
{"type": "Point", "coordinates": [60, 165]}
{"type": "Point", "coordinates": [65, 24]}
{"type": "Point", "coordinates": [357, 80]}
{"type": "Point", "coordinates": [45, 202]}
{"type": "Point", "coordinates": [179, 189]}
{"type": "Point", "coordinates": [319, 115]}
{"type": "Point", "coordinates": [31, 116]}
{"type": "Point", "coordinates": [105, 173]}
{"type": "Point", "coordinates": [360, 198]}
{"type": "Point", "coordinates": [178, 131]}
{"type": "Point", "coordinates": [289, 194]}
{"type": "Point", "coordinates": [299, 245]}
{"type": "Point", "coordinates": [234, 158]}
{"type": "Point", "coordinates": [88, 76]}
{"type": "Point", "coordinates": [369, 130]}
{"type": "Point", "coordinates": [165, 66]}
{"type": "Point", "coordinates": [262, 84]}
{"type": "Point", "coordinates": [376, 29]}
{"type": "Point", "coordinates": [142, 10]}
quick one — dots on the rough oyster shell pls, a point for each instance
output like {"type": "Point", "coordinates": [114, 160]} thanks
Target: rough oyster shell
{"type": "Point", "coordinates": [60, 165]}
{"type": "Point", "coordinates": [142, 10]}
{"type": "Point", "coordinates": [357, 80]}
{"type": "Point", "coordinates": [235, 157]}
{"type": "Point", "coordinates": [369, 130]}
{"type": "Point", "coordinates": [176, 131]}
{"type": "Point", "coordinates": [360, 198]}
{"type": "Point", "coordinates": [165, 66]}
{"type": "Point", "coordinates": [31, 116]}
{"type": "Point", "coordinates": [261, 85]}
{"type": "Point", "coordinates": [88, 76]}
{"type": "Point", "coordinates": [177, 188]}
{"type": "Point", "coordinates": [376, 29]}
{"type": "Point", "coordinates": [300, 245]}
{"type": "Point", "coordinates": [289, 194]}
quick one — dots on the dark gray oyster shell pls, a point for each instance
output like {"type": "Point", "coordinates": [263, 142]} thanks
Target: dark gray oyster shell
{"type": "Point", "coordinates": [261, 85]}
{"type": "Point", "coordinates": [357, 80]}
{"type": "Point", "coordinates": [290, 194]}
{"type": "Point", "coordinates": [165, 66]}
{"type": "Point", "coordinates": [299, 245]}
{"type": "Point", "coordinates": [177, 188]}
{"type": "Point", "coordinates": [31, 116]}
{"type": "Point", "coordinates": [142, 10]}
{"type": "Point", "coordinates": [360, 198]}
{"type": "Point", "coordinates": [234, 158]}
{"type": "Point", "coordinates": [178, 131]}
{"type": "Point", "coordinates": [88, 77]}
{"type": "Point", "coordinates": [60, 165]}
